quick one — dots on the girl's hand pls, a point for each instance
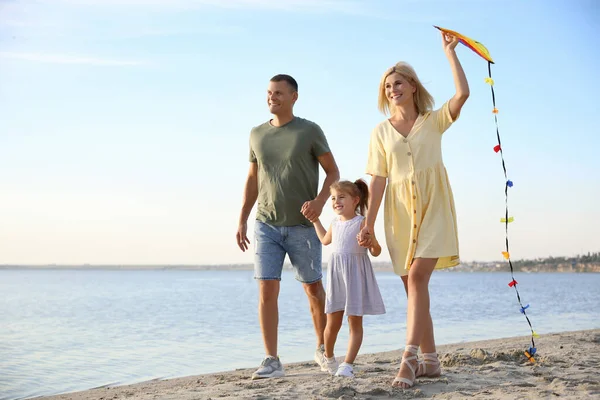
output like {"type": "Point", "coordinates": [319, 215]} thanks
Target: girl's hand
{"type": "Point", "coordinates": [365, 236]}
{"type": "Point", "coordinates": [375, 248]}
{"type": "Point", "coordinates": [312, 210]}
{"type": "Point", "coordinates": [449, 42]}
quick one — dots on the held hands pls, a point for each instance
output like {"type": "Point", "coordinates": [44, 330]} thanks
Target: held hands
{"type": "Point", "coordinates": [241, 238]}
{"type": "Point", "coordinates": [366, 237]}
{"type": "Point", "coordinates": [449, 42]}
{"type": "Point", "coordinates": [312, 210]}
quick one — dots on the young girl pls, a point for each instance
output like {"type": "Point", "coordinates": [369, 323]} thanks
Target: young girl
{"type": "Point", "coordinates": [405, 154]}
{"type": "Point", "coordinates": [351, 284]}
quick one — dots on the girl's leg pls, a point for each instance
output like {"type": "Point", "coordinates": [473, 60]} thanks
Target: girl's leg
{"type": "Point", "coordinates": [355, 339]}
{"type": "Point", "coordinates": [334, 323]}
{"type": "Point", "coordinates": [418, 318]}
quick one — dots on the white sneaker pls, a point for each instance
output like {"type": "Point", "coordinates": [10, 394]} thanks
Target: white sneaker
{"type": "Point", "coordinates": [320, 358]}
{"type": "Point", "coordinates": [331, 365]}
{"type": "Point", "coordinates": [346, 370]}
{"type": "Point", "coordinates": [271, 367]}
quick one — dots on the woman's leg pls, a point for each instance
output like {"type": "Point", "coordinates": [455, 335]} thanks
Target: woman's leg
{"type": "Point", "coordinates": [417, 316]}
{"type": "Point", "coordinates": [405, 281]}
{"type": "Point", "coordinates": [427, 343]}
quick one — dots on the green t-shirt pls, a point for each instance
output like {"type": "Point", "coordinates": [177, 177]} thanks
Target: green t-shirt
{"type": "Point", "coordinates": [288, 169]}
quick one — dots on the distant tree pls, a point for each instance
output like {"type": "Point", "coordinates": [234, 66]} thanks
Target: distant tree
{"type": "Point", "coordinates": [589, 258]}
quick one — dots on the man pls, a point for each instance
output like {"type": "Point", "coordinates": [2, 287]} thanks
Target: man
{"type": "Point", "coordinates": [285, 154]}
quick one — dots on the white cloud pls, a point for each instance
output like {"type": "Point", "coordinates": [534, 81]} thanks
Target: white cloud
{"type": "Point", "coordinates": [350, 6]}
{"type": "Point", "coordinates": [26, 24]}
{"type": "Point", "coordinates": [76, 18]}
{"type": "Point", "coordinates": [76, 9]}
{"type": "Point", "coordinates": [366, 8]}
{"type": "Point", "coordinates": [133, 31]}
{"type": "Point", "coordinates": [67, 59]}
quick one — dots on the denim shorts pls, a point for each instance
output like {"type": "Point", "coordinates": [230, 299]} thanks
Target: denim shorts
{"type": "Point", "coordinates": [299, 242]}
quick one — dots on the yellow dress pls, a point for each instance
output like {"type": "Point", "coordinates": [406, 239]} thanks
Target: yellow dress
{"type": "Point", "coordinates": [419, 213]}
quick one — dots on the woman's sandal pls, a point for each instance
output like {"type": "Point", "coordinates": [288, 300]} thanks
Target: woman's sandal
{"type": "Point", "coordinates": [406, 360]}
{"type": "Point", "coordinates": [433, 361]}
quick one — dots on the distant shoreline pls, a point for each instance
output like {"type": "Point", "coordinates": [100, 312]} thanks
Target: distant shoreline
{"type": "Point", "coordinates": [499, 266]}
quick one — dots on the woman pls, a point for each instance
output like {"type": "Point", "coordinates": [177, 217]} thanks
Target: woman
{"type": "Point", "coordinates": [420, 220]}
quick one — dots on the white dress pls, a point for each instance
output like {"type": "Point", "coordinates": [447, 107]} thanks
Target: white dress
{"type": "Point", "coordinates": [351, 283]}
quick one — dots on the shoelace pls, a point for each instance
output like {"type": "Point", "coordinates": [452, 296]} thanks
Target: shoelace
{"type": "Point", "coordinates": [266, 360]}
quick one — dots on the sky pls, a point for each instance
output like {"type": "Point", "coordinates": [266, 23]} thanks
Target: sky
{"type": "Point", "coordinates": [124, 124]}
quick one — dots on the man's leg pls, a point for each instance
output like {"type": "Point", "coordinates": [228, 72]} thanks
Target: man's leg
{"type": "Point", "coordinates": [268, 314]}
{"type": "Point", "coordinates": [269, 257]}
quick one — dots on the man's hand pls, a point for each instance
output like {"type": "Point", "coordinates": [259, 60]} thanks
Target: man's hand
{"type": "Point", "coordinates": [312, 210]}
{"type": "Point", "coordinates": [241, 238]}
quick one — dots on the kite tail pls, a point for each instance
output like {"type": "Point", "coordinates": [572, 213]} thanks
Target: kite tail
{"type": "Point", "coordinates": [508, 183]}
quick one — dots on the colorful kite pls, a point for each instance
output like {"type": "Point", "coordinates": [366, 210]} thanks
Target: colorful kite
{"type": "Point", "coordinates": [470, 43]}
{"type": "Point", "coordinates": [483, 52]}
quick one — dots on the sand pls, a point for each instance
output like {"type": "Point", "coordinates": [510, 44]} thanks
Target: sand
{"type": "Point", "coordinates": [568, 366]}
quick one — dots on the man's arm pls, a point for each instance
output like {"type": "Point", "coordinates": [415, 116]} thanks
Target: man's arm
{"type": "Point", "coordinates": [332, 175]}
{"type": "Point", "coordinates": [249, 199]}
{"type": "Point", "coordinates": [312, 209]}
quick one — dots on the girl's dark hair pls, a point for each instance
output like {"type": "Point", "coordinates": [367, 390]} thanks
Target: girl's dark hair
{"type": "Point", "coordinates": [358, 188]}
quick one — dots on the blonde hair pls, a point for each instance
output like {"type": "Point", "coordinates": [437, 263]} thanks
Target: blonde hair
{"type": "Point", "coordinates": [422, 99]}
{"type": "Point", "coordinates": [358, 188]}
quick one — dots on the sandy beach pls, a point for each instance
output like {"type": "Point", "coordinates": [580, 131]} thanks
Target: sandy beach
{"type": "Point", "coordinates": [567, 366]}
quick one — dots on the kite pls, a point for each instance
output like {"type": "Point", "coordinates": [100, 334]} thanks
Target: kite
{"type": "Point", "coordinates": [483, 52]}
{"type": "Point", "coordinates": [470, 43]}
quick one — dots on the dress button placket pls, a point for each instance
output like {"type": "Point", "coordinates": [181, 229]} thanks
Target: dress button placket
{"type": "Point", "coordinates": [413, 201]}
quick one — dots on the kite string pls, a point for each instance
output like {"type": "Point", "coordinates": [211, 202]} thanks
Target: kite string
{"type": "Point", "coordinates": [507, 184]}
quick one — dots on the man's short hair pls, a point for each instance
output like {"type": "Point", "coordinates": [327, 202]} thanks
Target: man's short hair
{"type": "Point", "coordinates": [283, 77]}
